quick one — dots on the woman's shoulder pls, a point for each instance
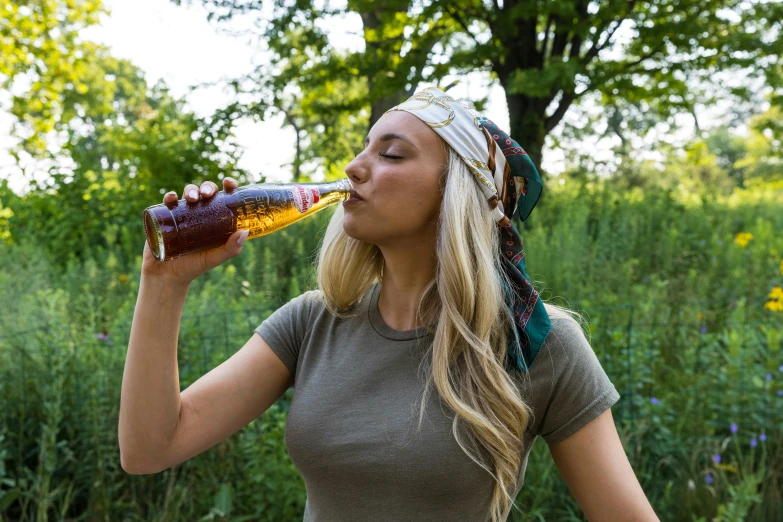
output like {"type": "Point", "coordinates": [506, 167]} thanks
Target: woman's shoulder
{"type": "Point", "coordinates": [564, 321]}
{"type": "Point", "coordinates": [567, 336]}
{"type": "Point", "coordinates": [309, 300]}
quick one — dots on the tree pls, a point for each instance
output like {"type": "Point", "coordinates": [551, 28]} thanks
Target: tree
{"type": "Point", "coordinates": [122, 143]}
{"type": "Point", "coordinates": [40, 39]}
{"type": "Point", "coordinates": [125, 146]}
{"type": "Point", "coordinates": [547, 55]}
{"type": "Point", "coordinates": [764, 159]}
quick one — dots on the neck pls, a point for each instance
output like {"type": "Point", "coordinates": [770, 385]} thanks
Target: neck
{"type": "Point", "coordinates": [406, 272]}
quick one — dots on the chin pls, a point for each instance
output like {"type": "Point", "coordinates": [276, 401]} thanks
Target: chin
{"type": "Point", "coordinates": [358, 233]}
{"type": "Point", "coordinates": [351, 230]}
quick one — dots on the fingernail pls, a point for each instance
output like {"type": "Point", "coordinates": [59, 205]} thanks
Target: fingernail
{"type": "Point", "coordinates": [193, 194]}
{"type": "Point", "coordinates": [242, 237]}
{"type": "Point", "coordinates": [207, 190]}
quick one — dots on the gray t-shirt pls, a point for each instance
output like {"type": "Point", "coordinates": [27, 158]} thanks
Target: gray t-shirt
{"type": "Point", "coordinates": [351, 427]}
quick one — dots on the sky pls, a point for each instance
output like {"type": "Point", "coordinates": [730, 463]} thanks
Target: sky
{"type": "Point", "coordinates": [178, 44]}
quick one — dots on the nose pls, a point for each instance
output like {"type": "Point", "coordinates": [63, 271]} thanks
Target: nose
{"type": "Point", "coordinates": [354, 169]}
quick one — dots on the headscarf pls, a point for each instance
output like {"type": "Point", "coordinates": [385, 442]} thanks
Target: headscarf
{"type": "Point", "coordinates": [510, 181]}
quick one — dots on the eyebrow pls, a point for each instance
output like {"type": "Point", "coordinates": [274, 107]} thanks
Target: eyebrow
{"type": "Point", "coordinates": [391, 136]}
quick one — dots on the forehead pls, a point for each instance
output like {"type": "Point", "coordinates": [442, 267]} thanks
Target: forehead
{"type": "Point", "coordinates": [403, 122]}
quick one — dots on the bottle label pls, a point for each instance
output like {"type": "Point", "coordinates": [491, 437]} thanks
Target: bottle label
{"type": "Point", "coordinates": [305, 197]}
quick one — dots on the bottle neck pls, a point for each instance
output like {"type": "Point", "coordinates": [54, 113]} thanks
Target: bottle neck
{"type": "Point", "coordinates": [343, 186]}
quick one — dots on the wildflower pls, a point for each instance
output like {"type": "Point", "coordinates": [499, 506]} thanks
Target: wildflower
{"type": "Point", "coordinates": [763, 437]}
{"type": "Point", "coordinates": [774, 306]}
{"type": "Point", "coordinates": [776, 293]}
{"type": "Point", "coordinates": [734, 428]}
{"type": "Point", "coordinates": [769, 376]}
{"type": "Point", "coordinates": [780, 393]}
{"type": "Point", "coordinates": [716, 458]}
{"type": "Point", "coordinates": [743, 238]}
{"type": "Point", "coordinates": [780, 368]}
{"type": "Point", "coordinates": [708, 479]}
{"type": "Point", "coordinates": [123, 278]}
{"type": "Point", "coordinates": [691, 484]}
{"type": "Point", "coordinates": [653, 400]}
{"type": "Point", "coordinates": [700, 316]}
{"type": "Point", "coordinates": [753, 442]}
{"type": "Point", "coordinates": [103, 336]}
{"type": "Point", "coordinates": [704, 329]}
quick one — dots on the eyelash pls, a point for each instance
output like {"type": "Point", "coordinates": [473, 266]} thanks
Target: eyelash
{"type": "Point", "coordinates": [390, 156]}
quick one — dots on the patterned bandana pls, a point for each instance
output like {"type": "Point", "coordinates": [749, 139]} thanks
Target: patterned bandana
{"type": "Point", "coordinates": [495, 160]}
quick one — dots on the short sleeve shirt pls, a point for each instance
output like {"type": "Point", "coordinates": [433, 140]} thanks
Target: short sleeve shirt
{"type": "Point", "coordinates": [352, 425]}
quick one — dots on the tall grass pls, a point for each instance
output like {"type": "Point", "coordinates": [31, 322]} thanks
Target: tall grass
{"type": "Point", "coordinates": [674, 296]}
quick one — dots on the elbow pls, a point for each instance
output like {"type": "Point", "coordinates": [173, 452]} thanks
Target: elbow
{"type": "Point", "coordinates": [128, 465]}
{"type": "Point", "coordinates": [136, 466]}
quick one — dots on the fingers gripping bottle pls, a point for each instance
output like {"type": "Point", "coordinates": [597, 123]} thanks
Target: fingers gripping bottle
{"type": "Point", "coordinates": [262, 208]}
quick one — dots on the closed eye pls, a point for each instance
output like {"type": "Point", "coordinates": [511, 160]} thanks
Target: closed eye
{"type": "Point", "coordinates": [390, 156]}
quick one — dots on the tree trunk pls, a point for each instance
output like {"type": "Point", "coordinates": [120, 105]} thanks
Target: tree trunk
{"type": "Point", "coordinates": [526, 117]}
{"type": "Point", "coordinates": [374, 48]}
{"type": "Point", "coordinates": [384, 104]}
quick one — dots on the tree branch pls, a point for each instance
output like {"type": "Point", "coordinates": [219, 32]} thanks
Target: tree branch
{"type": "Point", "coordinates": [565, 102]}
{"type": "Point", "coordinates": [298, 154]}
{"type": "Point", "coordinates": [547, 28]}
{"type": "Point", "coordinates": [597, 48]}
{"type": "Point", "coordinates": [647, 55]}
{"type": "Point", "coordinates": [559, 41]}
{"type": "Point", "coordinates": [453, 13]}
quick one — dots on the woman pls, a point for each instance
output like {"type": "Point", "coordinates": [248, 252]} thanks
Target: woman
{"type": "Point", "coordinates": [421, 283]}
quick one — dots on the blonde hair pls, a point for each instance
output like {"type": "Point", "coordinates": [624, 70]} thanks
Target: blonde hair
{"type": "Point", "coordinates": [468, 303]}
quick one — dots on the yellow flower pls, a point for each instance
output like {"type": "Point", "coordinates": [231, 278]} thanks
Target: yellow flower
{"type": "Point", "coordinates": [775, 306]}
{"type": "Point", "coordinates": [776, 293]}
{"type": "Point", "coordinates": [742, 238]}
{"type": "Point", "coordinates": [727, 467]}
{"type": "Point", "coordinates": [123, 278]}
{"type": "Point", "coordinates": [701, 316]}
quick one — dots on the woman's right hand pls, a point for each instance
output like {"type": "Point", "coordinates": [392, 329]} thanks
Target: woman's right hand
{"type": "Point", "coordinates": [185, 269]}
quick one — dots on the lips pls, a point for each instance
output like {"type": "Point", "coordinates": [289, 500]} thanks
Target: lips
{"type": "Point", "coordinates": [354, 195]}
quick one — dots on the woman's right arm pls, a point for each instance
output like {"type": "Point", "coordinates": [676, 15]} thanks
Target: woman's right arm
{"type": "Point", "coordinates": [150, 397]}
{"type": "Point", "coordinates": [158, 426]}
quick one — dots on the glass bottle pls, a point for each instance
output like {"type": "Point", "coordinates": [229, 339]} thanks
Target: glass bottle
{"type": "Point", "coordinates": [262, 208]}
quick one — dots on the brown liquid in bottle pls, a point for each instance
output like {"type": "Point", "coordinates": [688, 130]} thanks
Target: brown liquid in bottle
{"type": "Point", "coordinates": [174, 231]}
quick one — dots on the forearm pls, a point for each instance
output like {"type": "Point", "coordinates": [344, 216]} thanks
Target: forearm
{"type": "Point", "coordinates": [150, 397]}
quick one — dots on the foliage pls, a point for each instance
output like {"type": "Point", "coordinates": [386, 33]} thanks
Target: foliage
{"type": "Point", "coordinates": [677, 262]}
{"type": "Point", "coordinates": [545, 54]}
{"type": "Point", "coordinates": [40, 39]}
{"type": "Point", "coordinates": [697, 283]}
{"type": "Point", "coordinates": [126, 145]}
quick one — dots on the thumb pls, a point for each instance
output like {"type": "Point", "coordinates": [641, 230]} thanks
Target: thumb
{"type": "Point", "coordinates": [232, 248]}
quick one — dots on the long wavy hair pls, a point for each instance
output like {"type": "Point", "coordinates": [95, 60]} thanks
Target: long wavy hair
{"type": "Point", "coordinates": [468, 305]}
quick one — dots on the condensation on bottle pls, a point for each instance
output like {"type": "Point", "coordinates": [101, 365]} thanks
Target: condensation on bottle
{"type": "Point", "coordinates": [262, 208]}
